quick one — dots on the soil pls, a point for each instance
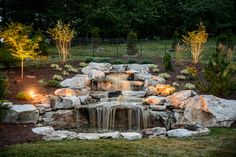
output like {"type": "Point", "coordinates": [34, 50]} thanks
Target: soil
{"type": "Point", "coordinates": [17, 133]}
{"type": "Point", "coordinates": [20, 133]}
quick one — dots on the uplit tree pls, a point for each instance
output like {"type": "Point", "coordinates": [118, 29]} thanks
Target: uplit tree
{"type": "Point", "coordinates": [195, 41]}
{"type": "Point", "coordinates": [16, 37]}
{"type": "Point", "coordinates": [62, 34]}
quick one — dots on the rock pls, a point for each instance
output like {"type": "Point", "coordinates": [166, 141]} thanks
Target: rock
{"type": "Point", "coordinates": [96, 75]}
{"type": "Point", "coordinates": [153, 81]}
{"type": "Point", "coordinates": [85, 100]}
{"type": "Point", "coordinates": [65, 92]}
{"type": "Point", "coordinates": [164, 90]}
{"type": "Point", "coordinates": [139, 67]}
{"type": "Point", "coordinates": [6, 104]}
{"type": "Point", "coordinates": [22, 114]}
{"type": "Point", "coordinates": [142, 76]}
{"type": "Point", "coordinates": [61, 134]}
{"type": "Point", "coordinates": [131, 135]}
{"type": "Point", "coordinates": [61, 119]}
{"type": "Point", "coordinates": [88, 136]}
{"type": "Point", "coordinates": [99, 94]}
{"type": "Point", "coordinates": [179, 99]}
{"type": "Point", "coordinates": [64, 102]}
{"type": "Point", "coordinates": [119, 68]}
{"type": "Point", "coordinates": [155, 100]}
{"type": "Point", "coordinates": [138, 94]}
{"type": "Point", "coordinates": [114, 94]}
{"type": "Point", "coordinates": [84, 91]}
{"type": "Point", "coordinates": [43, 130]}
{"type": "Point", "coordinates": [108, 135]}
{"type": "Point", "coordinates": [153, 132]}
{"type": "Point", "coordinates": [181, 133]}
{"type": "Point", "coordinates": [105, 67]}
{"type": "Point", "coordinates": [158, 107]}
{"type": "Point", "coordinates": [43, 107]}
{"type": "Point", "coordinates": [162, 119]}
{"type": "Point", "coordinates": [151, 91]}
{"type": "Point", "coordinates": [210, 111]}
{"type": "Point", "coordinates": [77, 82]}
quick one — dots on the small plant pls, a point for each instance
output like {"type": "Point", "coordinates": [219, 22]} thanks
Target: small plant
{"type": "Point", "coordinates": [23, 96]}
{"type": "Point", "coordinates": [65, 73]}
{"type": "Point", "coordinates": [189, 86]}
{"type": "Point", "coordinates": [41, 82]}
{"type": "Point", "coordinates": [56, 67]}
{"type": "Point", "coordinates": [62, 34]}
{"type": "Point", "coordinates": [57, 77]}
{"type": "Point", "coordinates": [185, 72]}
{"type": "Point", "coordinates": [132, 39]}
{"type": "Point", "coordinates": [83, 64]}
{"type": "Point", "coordinates": [195, 41]}
{"type": "Point", "coordinates": [167, 62]}
{"type": "Point", "coordinates": [181, 77]}
{"type": "Point", "coordinates": [192, 70]}
{"type": "Point", "coordinates": [53, 83]}
{"type": "Point", "coordinates": [131, 61]}
{"type": "Point", "coordinates": [74, 70]}
{"type": "Point", "coordinates": [164, 75]}
{"type": "Point", "coordinates": [154, 66]}
{"type": "Point", "coordinates": [68, 66]}
{"type": "Point", "coordinates": [3, 86]}
{"type": "Point", "coordinates": [155, 70]}
{"type": "Point", "coordinates": [175, 84]}
{"type": "Point", "coordinates": [89, 59]}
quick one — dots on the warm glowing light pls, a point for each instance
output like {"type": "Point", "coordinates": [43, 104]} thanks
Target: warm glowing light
{"type": "Point", "coordinates": [32, 94]}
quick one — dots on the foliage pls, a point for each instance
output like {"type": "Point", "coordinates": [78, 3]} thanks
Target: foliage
{"type": "Point", "coordinates": [43, 45]}
{"type": "Point", "coordinates": [167, 62]}
{"type": "Point", "coordinates": [57, 77]}
{"type": "Point", "coordinates": [118, 62]}
{"type": "Point", "coordinates": [53, 83]}
{"type": "Point", "coordinates": [83, 64]}
{"type": "Point", "coordinates": [6, 59]}
{"type": "Point", "coordinates": [3, 85]}
{"type": "Point", "coordinates": [131, 61]}
{"type": "Point", "coordinates": [219, 76]}
{"type": "Point", "coordinates": [17, 38]}
{"type": "Point", "coordinates": [56, 67]}
{"type": "Point", "coordinates": [189, 86]}
{"type": "Point", "coordinates": [3, 110]}
{"type": "Point", "coordinates": [146, 62]}
{"type": "Point", "coordinates": [65, 73]}
{"type": "Point", "coordinates": [95, 37]}
{"type": "Point", "coordinates": [23, 96]}
{"type": "Point", "coordinates": [164, 75]}
{"type": "Point", "coordinates": [132, 39]}
{"type": "Point", "coordinates": [62, 34]}
{"type": "Point", "coordinates": [195, 41]}
{"type": "Point", "coordinates": [181, 77]}
{"type": "Point", "coordinates": [89, 59]}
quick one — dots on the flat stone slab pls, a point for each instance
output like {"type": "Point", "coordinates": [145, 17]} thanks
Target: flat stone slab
{"type": "Point", "coordinates": [131, 135]}
{"type": "Point", "coordinates": [43, 130]}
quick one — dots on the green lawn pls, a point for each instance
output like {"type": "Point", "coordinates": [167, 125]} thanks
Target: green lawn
{"type": "Point", "coordinates": [220, 143]}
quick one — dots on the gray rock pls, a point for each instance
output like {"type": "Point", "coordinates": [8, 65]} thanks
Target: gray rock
{"type": "Point", "coordinates": [158, 107]}
{"type": "Point", "coordinates": [68, 102]}
{"type": "Point", "coordinates": [77, 82]}
{"type": "Point", "coordinates": [105, 67]}
{"type": "Point", "coordinates": [138, 94]}
{"type": "Point", "coordinates": [84, 100]}
{"type": "Point", "coordinates": [153, 81]}
{"type": "Point", "coordinates": [22, 114]}
{"type": "Point", "coordinates": [181, 133]}
{"type": "Point", "coordinates": [88, 136]}
{"type": "Point", "coordinates": [131, 135]}
{"type": "Point", "coordinates": [65, 92]}
{"type": "Point", "coordinates": [142, 76]}
{"type": "Point", "coordinates": [61, 119]}
{"type": "Point", "coordinates": [119, 68]}
{"type": "Point", "coordinates": [98, 94]}
{"type": "Point", "coordinates": [179, 99]}
{"type": "Point", "coordinates": [96, 75]}
{"type": "Point", "coordinates": [61, 134]}
{"type": "Point", "coordinates": [43, 130]}
{"type": "Point", "coordinates": [155, 100]}
{"type": "Point", "coordinates": [139, 67]}
{"type": "Point", "coordinates": [210, 111]}
{"type": "Point", "coordinates": [43, 108]}
{"type": "Point", "coordinates": [106, 135]}
{"type": "Point", "coordinates": [6, 104]}
{"type": "Point", "coordinates": [153, 132]}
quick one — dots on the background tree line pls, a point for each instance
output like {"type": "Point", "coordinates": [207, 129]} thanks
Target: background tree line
{"type": "Point", "coordinates": [115, 18]}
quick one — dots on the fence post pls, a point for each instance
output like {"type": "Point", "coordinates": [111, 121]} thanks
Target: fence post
{"type": "Point", "coordinates": [117, 48]}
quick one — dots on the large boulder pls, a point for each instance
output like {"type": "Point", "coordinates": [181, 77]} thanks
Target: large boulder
{"type": "Point", "coordinates": [108, 135]}
{"type": "Point", "coordinates": [65, 92]}
{"type": "Point", "coordinates": [119, 68]}
{"type": "Point", "coordinates": [155, 100]}
{"type": "Point", "coordinates": [131, 135]}
{"type": "Point", "coordinates": [88, 136]}
{"type": "Point", "coordinates": [43, 108]}
{"type": "Point", "coordinates": [77, 82]}
{"type": "Point", "coordinates": [61, 119]}
{"type": "Point", "coordinates": [181, 133]}
{"type": "Point", "coordinates": [153, 81]}
{"type": "Point", "coordinates": [139, 94]}
{"type": "Point", "coordinates": [61, 134]}
{"type": "Point", "coordinates": [68, 102]}
{"type": "Point", "coordinates": [179, 99]}
{"type": "Point", "coordinates": [22, 114]}
{"type": "Point", "coordinates": [104, 67]}
{"type": "Point", "coordinates": [144, 68]}
{"type": "Point", "coordinates": [211, 111]}
{"type": "Point", "coordinates": [45, 130]}
{"type": "Point", "coordinates": [142, 76]}
{"type": "Point", "coordinates": [96, 75]}
{"type": "Point", "coordinates": [164, 89]}
{"type": "Point", "coordinates": [153, 132]}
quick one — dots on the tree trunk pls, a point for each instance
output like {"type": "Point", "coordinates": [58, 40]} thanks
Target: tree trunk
{"type": "Point", "coordinates": [22, 69]}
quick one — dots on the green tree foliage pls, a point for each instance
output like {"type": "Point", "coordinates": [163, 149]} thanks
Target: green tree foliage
{"type": "Point", "coordinates": [132, 39]}
{"type": "Point", "coordinates": [17, 37]}
{"type": "Point", "coordinates": [167, 62]}
{"type": "Point", "coordinates": [3, 86]}
{"type": "Point", "coordinates": [219, 76]}
{"type": "Point", "coordinates": [62, 34]}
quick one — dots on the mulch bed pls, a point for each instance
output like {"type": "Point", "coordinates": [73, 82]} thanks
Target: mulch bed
{"type": "Point", "coordinates": [17, 133]}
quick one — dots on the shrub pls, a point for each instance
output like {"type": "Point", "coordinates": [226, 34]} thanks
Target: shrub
{"type": "Point", "coordinates": [53, 83]}
{"type": "Point", "coordinates": [6, 59]}
{"type": "Point", "coordinates": [164, 75]}
{"type": "Point", "coordinates": [43, 45]}
{"type": "Point", "coordinates": [56, 67]}
{"type": "Point", "coordinates": [62, 34]}
{"type": "Point", "coordinates": [83, 64]}
{"type": "Point", "coordinates": [3, 86]}
{"type": "Point", "coordinates": [89, 59]}
{"type": "Point", "coordinates": [118, 62]}
{"type": "Point", "coordinates": [154, 66]}
{"type": "Point", "coordinates": [57, 77]}
{"type": "Point", "coordinates": [23, 96]}
{"type": "Point", "coordinates": [195, 41]}
{"type": "Point", "coordinates": [189, 86]}
{"type": "Point", "coordinates": [95, 37]}
{"type": "Point", "coordinates": [167, 62]}
{"type": "Point", "coordinates": [132, 39]}
{"type": "Point", "coordinates": [181, 77]}
{"type": "Point", "coordinates": [131, 61]}
{"type": "Point", "coordinates": [155, 70]}
{"type": "Point", "coordinates": [218, 76]}
{"type": "Point", "coordinates": [146, 62]}
{"type": "Point", "coordinates": [65, 73]}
